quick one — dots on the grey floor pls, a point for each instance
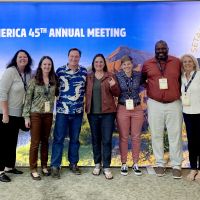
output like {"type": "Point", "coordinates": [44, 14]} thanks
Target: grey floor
{"type": "Point", "coordinates": [89, 187]}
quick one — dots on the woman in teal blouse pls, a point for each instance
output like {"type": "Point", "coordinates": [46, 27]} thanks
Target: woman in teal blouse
{"type": "Point", "coordinates": [38, 113]}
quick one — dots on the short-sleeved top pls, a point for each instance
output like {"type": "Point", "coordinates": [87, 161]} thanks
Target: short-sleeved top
{"type": "Point", "coordinates": [71, 90]}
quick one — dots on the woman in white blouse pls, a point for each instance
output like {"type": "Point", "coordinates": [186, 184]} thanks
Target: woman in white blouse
{"type": "Point", "coordinates": [190, 89]}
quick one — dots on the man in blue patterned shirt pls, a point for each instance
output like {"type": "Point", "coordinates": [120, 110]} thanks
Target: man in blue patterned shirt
{"type": "Point", "coordinates": [69, 112]}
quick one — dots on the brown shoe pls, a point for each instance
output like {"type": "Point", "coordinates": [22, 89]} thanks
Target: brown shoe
{"type": "Point", "coordinates": [55, 172]}
{"type": "Point", "coordinates": [160, 171]}
{"type": "Point", "coordinates": [75, 169]}
{"type": "Point", "coordinates": [176, 173]}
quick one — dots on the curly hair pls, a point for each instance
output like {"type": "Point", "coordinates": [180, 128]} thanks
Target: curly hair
{"type": "Point", "coordinates": [13, 61]}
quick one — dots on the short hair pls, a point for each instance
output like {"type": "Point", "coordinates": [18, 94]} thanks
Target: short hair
{"type": "Point", "coordinates": [195, 61]}
{"type": "Point", "coordinates": [105, 69]}
{"type": "Point", "coordinates": [74, 49]}
{"type": "Point", "coordinates": [161, 42]}
{"type": "Point", "coordinates": [126, 58]}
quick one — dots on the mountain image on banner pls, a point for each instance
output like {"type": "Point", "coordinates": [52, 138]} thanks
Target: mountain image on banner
{"type": "Point", "coordinates": [113, 60]}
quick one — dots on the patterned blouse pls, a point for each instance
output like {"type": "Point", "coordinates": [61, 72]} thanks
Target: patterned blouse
{"type": "Point", "coordinates": [36, 96]}
{"type": "Point", "coordinates": [130, 86]}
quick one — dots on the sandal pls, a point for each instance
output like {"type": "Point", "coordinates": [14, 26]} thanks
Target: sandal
{"type": "Point", "coordinates": [46, 172]}
{"type": "Point", "coordinates": [191, 175]}
{"type": "Point", "coordinates": [97, 170]}
{"type": "Point", "coordinates": [197, 177]}
{"type": "Point", "coordinates": [35, 176]}
{"type": "Point", "coordinates": [107, 173]}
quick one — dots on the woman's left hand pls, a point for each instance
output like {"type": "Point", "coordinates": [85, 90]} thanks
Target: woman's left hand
{"type": "Point", "coordinates": [5, 119]}
{"type": "Point", "coordinates": [111, 82]}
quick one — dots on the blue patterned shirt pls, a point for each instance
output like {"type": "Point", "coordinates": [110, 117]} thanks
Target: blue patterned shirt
{"type": "Point", "coordinates": [71, 90]}
{"type": "Point", "coordinates": [129, 86]}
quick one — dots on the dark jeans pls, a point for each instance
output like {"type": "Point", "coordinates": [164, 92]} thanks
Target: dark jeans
{"type": "Point", "coordinates": [66, 124]}
{"type": "Point", "coordinates": [192, 123]}
{"type": "Point", "coordinates": [102, 126]}
{"type": "Point", "coordinates": [8, 142]}
{"type": "Point", "coordinates": [40, 131]}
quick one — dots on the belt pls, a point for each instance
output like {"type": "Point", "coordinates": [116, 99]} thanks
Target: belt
{"type": "Point", "coordinates": [123, 103]}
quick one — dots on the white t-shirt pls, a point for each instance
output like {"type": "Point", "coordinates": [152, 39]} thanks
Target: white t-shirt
{"type": "Point", "coordinates": [193, 92]}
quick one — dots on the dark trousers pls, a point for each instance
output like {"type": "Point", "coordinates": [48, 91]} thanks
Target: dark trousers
{"type": "Point", "coordinates": [192, 123]}
{"type": "Point", "coordinates": [102, 126]}
{"type": "Point", "coordinates": [40, 130]}
{"type": "Point", "coordinates": [8, 142]}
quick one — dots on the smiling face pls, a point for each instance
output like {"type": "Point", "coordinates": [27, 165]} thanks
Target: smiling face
{"type": "Point", "coordinates": [22, 60]}
{"type": "Point", "coordinates": [188, 64]}
{"type": "Point", "coordinates": [46, 66]}
{"type": "Point", "coordinates": [161, 51]}
{"type": "Point", "coordinates": [99, 64]}
{"type": "Point", "coordinates": [74, 58]}
{"type": "Point", "coordinates": [127, 67]}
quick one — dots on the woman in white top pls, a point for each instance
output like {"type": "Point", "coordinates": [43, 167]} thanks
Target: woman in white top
{"type": "Point", "coordinates": [190, 89]}
{"type": "Point", "coordinates": [12, 90]}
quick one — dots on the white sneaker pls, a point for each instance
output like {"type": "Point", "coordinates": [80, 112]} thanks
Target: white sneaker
{"type": "Point", "coordinates": [136, 170]}
{"type": "Point", "coordinates": [124, 170]}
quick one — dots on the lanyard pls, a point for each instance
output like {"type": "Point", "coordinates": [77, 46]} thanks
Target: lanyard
{"type": "Point", "coordinates": [47, 90]}
{"type": "Point", "coordinates": [187, 86]}
{"type": "Point", "coordinates": [161, 68]}
{"type": "Point", "coordinates": [23, 79]}
{"type": "Point", "coordinates": [129, 84]}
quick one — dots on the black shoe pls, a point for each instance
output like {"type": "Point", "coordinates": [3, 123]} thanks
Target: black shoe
{"type": "Point", "coordinates": [124, 170]}
{"type": "Point", "coordinates": [14, 171]}
{"type": "Point", "coordinates": [4, 178]}
{"type": "Point", "coordinates": [36, 178]}
{"type": "Point", "coordinates": [75, 169]}
{"type": "Point", "coordinates": [136, 170]}
{"type": "Point", "coordinates": [55, 172]}
{"type": "Point", "coordinates": [46, 173]}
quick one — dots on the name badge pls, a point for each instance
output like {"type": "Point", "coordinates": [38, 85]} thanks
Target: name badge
{"type": "Point", "coordinates": [185, 99]}
{"type": "Point", "coordinates": [47, 106]}
{"type": "Point", "coordinates": [129, 104]}
{"type": "Point", "coordinates": [163, 85]}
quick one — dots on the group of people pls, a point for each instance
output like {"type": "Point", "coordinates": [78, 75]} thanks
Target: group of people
{"type": "Point", "coordinates": [27, 102]}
